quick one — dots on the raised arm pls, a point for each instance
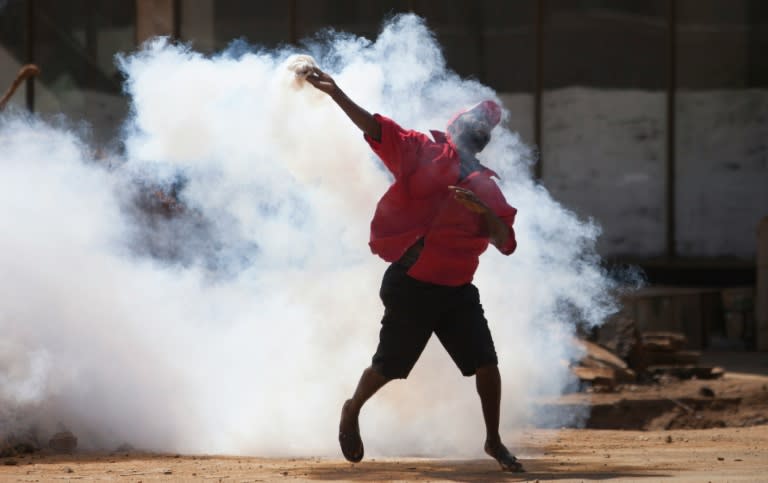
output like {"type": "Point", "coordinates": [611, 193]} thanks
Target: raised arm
{"type": "Point", "coordinates": [27, 71]}
{"type": "Point", "coordinates": [362, 118]}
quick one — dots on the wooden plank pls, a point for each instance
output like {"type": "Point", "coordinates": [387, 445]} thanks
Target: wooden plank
{"type": "Point", "coordinates": [601, 376]}
{"type": "Point", "coordinates": [660, 341]}
{"type": "Point", "coordinates": [604, 356]}
{"type": "Point", "coordinates": [672, 358]}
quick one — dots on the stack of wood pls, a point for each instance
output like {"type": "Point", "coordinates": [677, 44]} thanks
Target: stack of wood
{"type": "Point", "coordinates": [653, 354]}
{"type": "Point", "coordinates": [666, 349]}
{"type": "Point", "coordinates": [660, 352]}
{"type": "Point", "coordinates": [600, 367]}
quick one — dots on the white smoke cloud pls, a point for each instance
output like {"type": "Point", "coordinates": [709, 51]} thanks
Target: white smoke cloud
{"type": "Point", "coordinates": [252, 341]}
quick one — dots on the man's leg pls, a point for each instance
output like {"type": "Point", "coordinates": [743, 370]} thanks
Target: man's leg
{"type": "Point", "coordinates": [488, 383]}
{"type": "Point", "coordinates": [370, 382]}
{"type": "Point", "coordinates": [349, 430]}
{"type": "Point", "coordinates": [465, 335]}
{"type": "Point", "coordinates": [405, 329]}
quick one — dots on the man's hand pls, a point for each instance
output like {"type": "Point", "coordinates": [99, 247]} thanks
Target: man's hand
{"type": "Point", "coordinates": [469, 200]}
{"type": "Point", "coordinates": [498, 231]}
{"type": "Point", "coordinates": [362, 118]}
{"type": "Point", "coordinates": [322, 81]}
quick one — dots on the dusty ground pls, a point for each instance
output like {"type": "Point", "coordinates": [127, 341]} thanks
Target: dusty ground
{"type": "Point", "coordinates": [733, 447]}
{"type": "Point", "coordinates": [723, 454]}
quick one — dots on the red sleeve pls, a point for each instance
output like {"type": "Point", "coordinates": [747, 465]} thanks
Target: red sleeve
{"type": "Point", "coordinates": [498, 204]}
{"type": "Point", "coordinates": [398, 147]}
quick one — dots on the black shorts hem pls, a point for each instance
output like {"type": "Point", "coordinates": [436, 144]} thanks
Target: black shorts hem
{"type": "Point", "coordinates": [381, 369]}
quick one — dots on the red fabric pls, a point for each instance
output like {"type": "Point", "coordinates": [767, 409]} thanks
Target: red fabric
{"type": "Point", "coordinates": [486, 109]}
{"type": "Point", "coordinates": [419, 204]}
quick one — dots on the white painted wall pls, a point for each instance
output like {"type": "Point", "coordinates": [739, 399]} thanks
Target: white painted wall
{"type": "Point", "coordinates": [604, 157]}
{"type": "Point", "coordinates": [722, 159]}
{"type": "Point", "coordinates": [603, 154]}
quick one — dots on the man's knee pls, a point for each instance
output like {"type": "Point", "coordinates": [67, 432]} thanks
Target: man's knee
{"type": "Point", "coordinates": [388, 371]}
{"type": "Point", "coordinates": [489, 366]}
{"type": "Point", "coordinates": [490, 369]}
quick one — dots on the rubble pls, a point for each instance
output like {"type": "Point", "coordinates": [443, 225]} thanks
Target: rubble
{"type": "Point", "coordinates": [597, 376]}
{"type": "Point", "coordinates": [648, 356]}
{"type": "Point", "coordinates": [12, 445]}
{"type": "Point", "coordinates": [600, 367]}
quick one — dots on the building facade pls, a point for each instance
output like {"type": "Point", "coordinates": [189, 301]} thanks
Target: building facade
{"type": "Point", "coordinates": [650, 116]}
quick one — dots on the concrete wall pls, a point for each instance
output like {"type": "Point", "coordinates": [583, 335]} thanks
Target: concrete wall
{"type": "Point", "coordinates": [604, 155]}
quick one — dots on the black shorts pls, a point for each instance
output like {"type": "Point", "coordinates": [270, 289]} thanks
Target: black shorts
{"type": "Point", "coordinates": [414, 309]}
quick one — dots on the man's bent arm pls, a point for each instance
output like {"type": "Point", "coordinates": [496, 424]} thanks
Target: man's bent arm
{"type": "Point", "coordinates": [498, 231]}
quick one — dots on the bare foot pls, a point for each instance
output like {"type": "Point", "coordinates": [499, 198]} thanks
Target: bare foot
{"type": "Point", "coordinates": [349, 434]}
{"type": "Point", "coordinates": [501, 454]}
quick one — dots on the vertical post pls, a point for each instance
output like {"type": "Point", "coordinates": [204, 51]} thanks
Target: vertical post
{"type": "Point", "coordinates": [176, 32]}
{"type": "Point", "coordinates": [91, 33]}
{"type": "Point", "coordinates": [29, 54]}
{"type": "Point", "coordinates": [293, 33]}
{"type": "Point", "coordinates": [671, 239]}
{"type": "Point", "coordinates": [761, 292]}
{"type": "Point", "coordinates": [538, 89]}
{"type": "Point", "coordinates": [91, 42]}
{"type": "Point", "coordinates": [154, 17]}
{"type": "Point", "coordinates": [475, 12]}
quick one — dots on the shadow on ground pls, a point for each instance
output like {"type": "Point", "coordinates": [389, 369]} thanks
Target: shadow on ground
{"type": "Point", "coordinates": [471, 471]}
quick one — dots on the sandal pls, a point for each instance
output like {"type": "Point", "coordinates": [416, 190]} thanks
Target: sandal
{"type": "Point", "coordinates": [350, 442]}
{"type": "Point", "coordinates": [505, 459]}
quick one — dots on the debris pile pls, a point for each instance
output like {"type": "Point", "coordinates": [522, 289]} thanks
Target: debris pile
{"type": "Point", "coordinates": [663, 353]}
{"type": "Point", "coordinates": [648, 356]}
{"type": "Point", "coordinates": [601, 367]}
{"type": "Point", "coordinates": [12, 445]}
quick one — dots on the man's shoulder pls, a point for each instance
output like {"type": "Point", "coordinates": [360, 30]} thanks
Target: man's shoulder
{"type": "Point", "coordinates": [485, 182]}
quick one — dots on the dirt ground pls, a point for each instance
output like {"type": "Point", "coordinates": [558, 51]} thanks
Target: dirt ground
{"type": "Point", "coordinates": [735, 400]}
{"type": "Point", "coordinates": [721, 454]}
{"type": "Point", "coordinates": [687, 431]}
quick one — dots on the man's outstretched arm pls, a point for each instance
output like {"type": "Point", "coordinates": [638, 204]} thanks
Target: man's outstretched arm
{"type": "Point", "coordinates": [362, 118]}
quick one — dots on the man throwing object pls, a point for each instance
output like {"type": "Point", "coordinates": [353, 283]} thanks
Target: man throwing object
{"type": "Point", "coordinates": [432, 224]}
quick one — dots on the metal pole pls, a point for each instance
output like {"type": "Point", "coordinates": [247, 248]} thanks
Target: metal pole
{"type": "Point", "coordinates": [671, 240]}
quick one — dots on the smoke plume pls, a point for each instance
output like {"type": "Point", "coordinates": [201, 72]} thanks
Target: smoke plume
{"type": "Point", "coordinates": [240, 318]}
